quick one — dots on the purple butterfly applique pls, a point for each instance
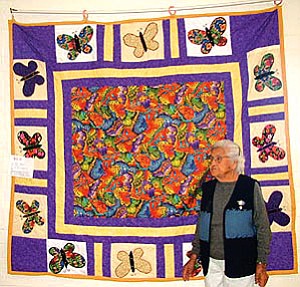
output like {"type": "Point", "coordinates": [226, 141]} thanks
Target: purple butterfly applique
{"type": "Point", "coordinates": [274, 210]}
{"type": "Point", "coordinates": [29, 75]}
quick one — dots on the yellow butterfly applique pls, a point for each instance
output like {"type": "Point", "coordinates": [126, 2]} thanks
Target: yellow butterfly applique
{"type": "Point", "coordinates": [132, 261]}
{"type": "Point", "coordinates": [144, 41]}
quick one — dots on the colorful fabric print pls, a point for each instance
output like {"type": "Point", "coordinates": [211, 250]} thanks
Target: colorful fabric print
{"type": "Point", "coordinates": [140, 151]}
{"type": "Point", "coordinates": [77, 44]}
{"type": "Point", "coordinates": [266, 146]}
{"type": "Point", "coordinates": [210, 37]}
{"type": "Point", "coordinates": [264, 75]}
{"type": "Point", "coordinates": [32, 145]}
{"type": "Point", "coordinates": [31, 215]}
{"type": "Point", "coordinates": [64, 257]}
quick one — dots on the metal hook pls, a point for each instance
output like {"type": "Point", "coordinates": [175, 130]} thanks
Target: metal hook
{"type": "Point", "coordinates": [12, 10]}
{"type": "Point", "coordinates": [278, 2]}
{"type": "Point", "coordinates": [85, 15]}
{"type": "Point", "coordinates": [172, 11]}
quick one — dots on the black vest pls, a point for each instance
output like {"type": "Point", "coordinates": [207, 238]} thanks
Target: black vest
{"type": "Point", "coordinates": [240, 243]}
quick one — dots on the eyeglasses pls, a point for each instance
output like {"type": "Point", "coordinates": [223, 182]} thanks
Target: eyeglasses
{"type": "Point", "coordinates": [217, 158]}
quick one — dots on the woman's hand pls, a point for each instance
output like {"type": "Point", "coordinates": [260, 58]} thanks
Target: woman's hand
{"type": "Point", "coordinates": [261, 275]}
{"type": "Point", "coordinates": [189, 267]}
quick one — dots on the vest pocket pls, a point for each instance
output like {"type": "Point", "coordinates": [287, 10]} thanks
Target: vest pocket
{"type": "Point", "coordinates": [204, 224]}
{"type": "Point", "coordinates": [238, 224]}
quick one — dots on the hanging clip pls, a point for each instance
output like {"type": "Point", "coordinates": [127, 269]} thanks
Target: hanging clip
{"type": "Point", "coordinates": [12, 10]}
{"type": "Point", "coordinates": [172, 11]}
{"type": "Point", "coordinates": [278, 2]}
{"type": "Point", "coordinates": [85, 15]}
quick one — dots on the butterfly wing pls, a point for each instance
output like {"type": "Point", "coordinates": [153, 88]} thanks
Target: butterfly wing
{"type": "Point", "coordinates": [149, 34]}
{"type": "Point", "coordinates": [140, 264]}
{"type": "Point", "coordinates": [29, 85]}
{"type": "Point", "coordinates": [28, 224]}
{"type": "Point", "coordinates": [273, 83]}
{"type": "Point", "coordinates": [263, 155]}
{"type": "Point", "coordinates": [74, 259]}
{"type": "Point", "coordinates": [134, 41]}
{"type": "Point", "coordinates": [206, 46]}
{"type": "Point", "coordinates": [268, 133]}
{"type": "Point", "coordinates": [56, 264]}
{"type": "Point", "coordinates": [124, 267]}
{"type": "Point", "coordinates": [282, 218]}
{"type": "Point", "coordinates": [267, 136]}
{"type": "Point", "coordinates": [217, 28]}
{"type": "Point", "coordinates": [267, 62]}
{"type": "Point", "coordinates": [259, 85]}
{"type": "Point", "coordinates": [197, 36]}
{"type": "Point", "coordinates": [68, 43]}
{"type": "Point", "coordinates": [23, 206]}
{"type": "Point", "coordinates": [20, 69]}
{"type": "Point", "coordinates": [23, 138]}
{"type": "Point", "coordinates": [277, 152]}
{"type": "Point", "coordinates": [85, 36]}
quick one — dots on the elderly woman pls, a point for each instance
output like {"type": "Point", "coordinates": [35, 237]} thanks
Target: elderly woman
{"type": "Point", "coordinates": [233, 233]}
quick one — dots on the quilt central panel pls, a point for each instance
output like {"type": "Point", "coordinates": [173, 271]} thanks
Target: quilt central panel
{"type": "Point", "coordinates": [139, 151]}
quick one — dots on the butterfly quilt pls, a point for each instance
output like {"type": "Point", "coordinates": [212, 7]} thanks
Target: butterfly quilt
{"type": "Point", "coordinates": [119, 118]}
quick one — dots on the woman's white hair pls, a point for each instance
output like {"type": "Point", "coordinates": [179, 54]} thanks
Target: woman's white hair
{"type": "Point", "coordinates": [233, 151]}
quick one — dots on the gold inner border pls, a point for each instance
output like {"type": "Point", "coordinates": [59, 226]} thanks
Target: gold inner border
{"type": "Point", "coordinates": [61, 227]}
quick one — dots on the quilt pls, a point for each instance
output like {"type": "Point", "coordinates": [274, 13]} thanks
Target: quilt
{"type": "Point", "coordinates": [112, 124]}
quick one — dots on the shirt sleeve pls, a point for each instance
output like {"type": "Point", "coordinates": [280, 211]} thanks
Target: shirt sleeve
{"type": "Point", "coordinates": [196, 241]}
{"type": "Point", "coordinates": [261, 222]}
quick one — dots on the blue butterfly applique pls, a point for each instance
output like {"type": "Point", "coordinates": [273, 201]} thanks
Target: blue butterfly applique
{"type": "Point", "coordinates": [29, 75]}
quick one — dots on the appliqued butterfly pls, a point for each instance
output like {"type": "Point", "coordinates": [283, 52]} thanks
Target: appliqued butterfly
{"type": "Point", "coordinates": [29, 75]}
{"type": "Point", "coordinates": [144, 41]}
{"type": "Point", "coordinates": [266, 146]}
{"type": "Point", "coordinates": [64, 257]}
{"type": "Point", "coordinates": [274, 210]}
{"type": "Point", "coordinates": [77, 44]}
{"type": "Point", "coordinates": [32, 146]}
{"type": "Point", "coordinates": [132, 261]}
{"type": "Point", "coordinates": [264, 75]}
{"type": "Point", "coordinates": [31, 214]}
{"type": "Point", "coordinates": [210, 37]}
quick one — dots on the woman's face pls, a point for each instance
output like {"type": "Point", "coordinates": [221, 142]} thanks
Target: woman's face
{"type": "Point", "coordinates": [221, 166]}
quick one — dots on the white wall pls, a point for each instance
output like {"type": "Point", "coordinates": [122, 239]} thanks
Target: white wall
{"type": "Point", "coordinates": [291, 12]}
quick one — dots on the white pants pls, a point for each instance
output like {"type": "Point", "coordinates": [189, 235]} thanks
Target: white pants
{"type": "Point", "coordinates": [216, 277]}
